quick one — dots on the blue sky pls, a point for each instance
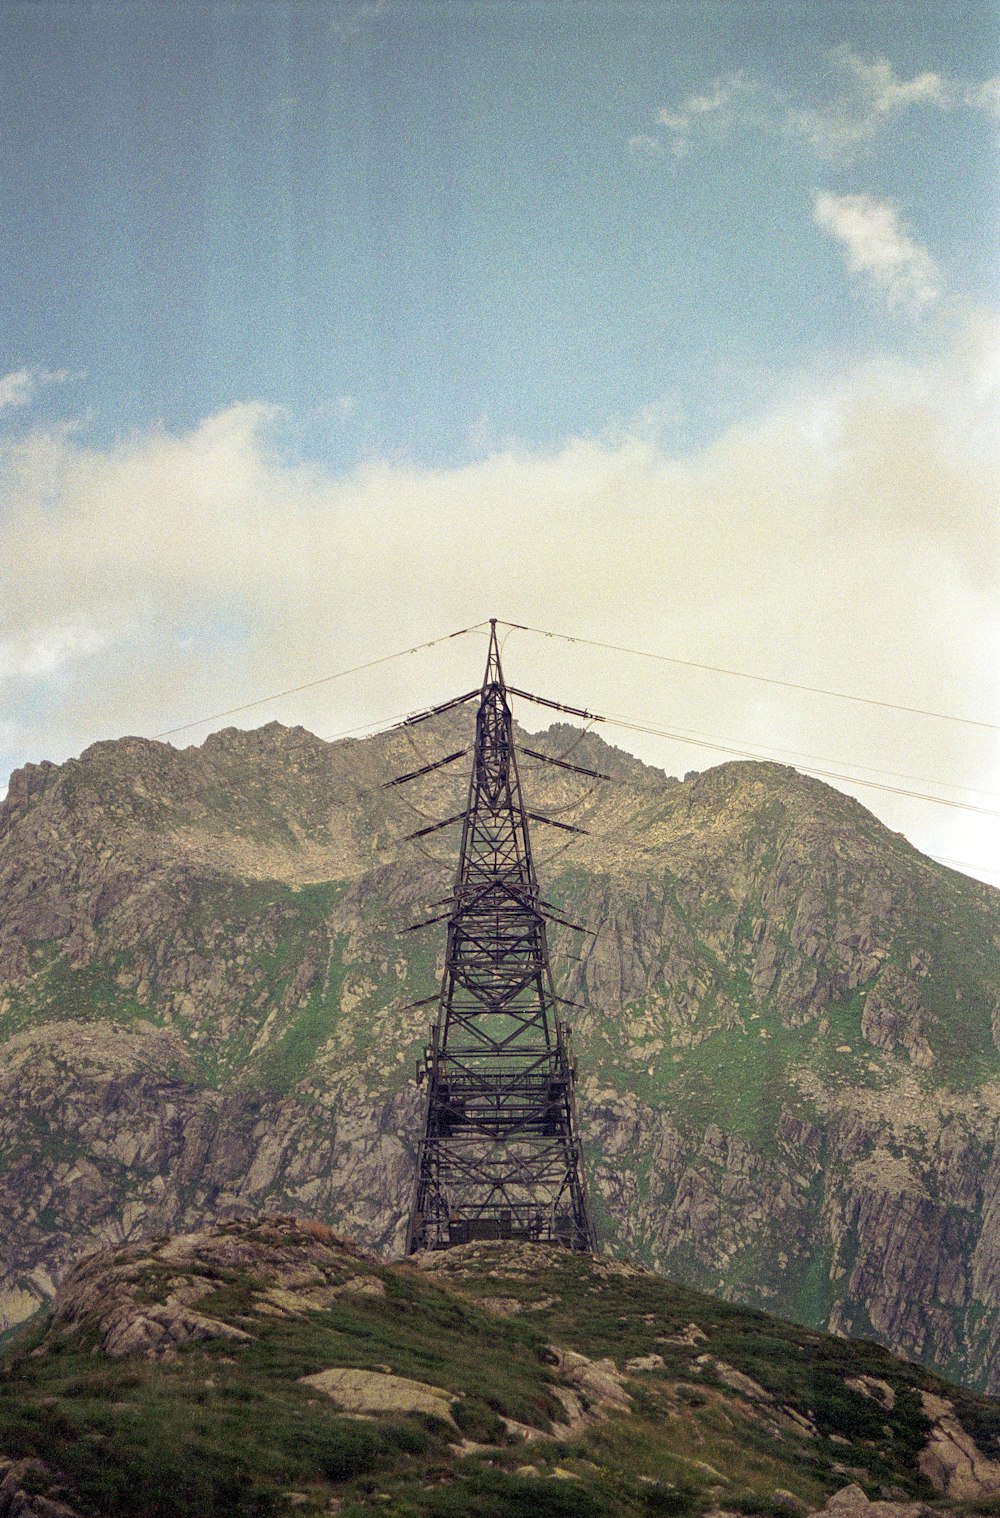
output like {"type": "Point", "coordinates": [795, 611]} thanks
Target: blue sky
{"type": "Point", "coordinates": [670, 290]}
{"type": "Point", "coordinates": [421, 228]}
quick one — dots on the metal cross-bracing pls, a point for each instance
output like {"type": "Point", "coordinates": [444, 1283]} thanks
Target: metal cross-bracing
{"type": "Point", "coordinates": [499, 1156]}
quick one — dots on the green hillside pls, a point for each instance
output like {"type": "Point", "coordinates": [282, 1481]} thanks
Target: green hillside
{"type": "Point", "coordinates": [180, 1379]}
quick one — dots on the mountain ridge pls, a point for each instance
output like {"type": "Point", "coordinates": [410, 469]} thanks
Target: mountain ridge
{"type": "Point", "coordinates": [787, 1037]}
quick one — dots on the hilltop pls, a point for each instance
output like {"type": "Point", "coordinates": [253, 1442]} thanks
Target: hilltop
{"type": "Point", "coordinates": [787, 1033]}
{"type": "Point", "coordinates": [266, 1367]}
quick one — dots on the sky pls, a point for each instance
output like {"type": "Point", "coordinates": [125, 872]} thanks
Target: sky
{"type": "Point", "coordinates": [328, 329]}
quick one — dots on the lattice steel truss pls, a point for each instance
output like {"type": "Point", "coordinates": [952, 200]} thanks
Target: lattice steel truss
{"type": "Point", "coordinates": [500, 1156]}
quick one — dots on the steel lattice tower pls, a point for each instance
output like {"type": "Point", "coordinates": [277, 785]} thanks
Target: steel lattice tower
{"type": "Point", "coordinates": [499, 1157]}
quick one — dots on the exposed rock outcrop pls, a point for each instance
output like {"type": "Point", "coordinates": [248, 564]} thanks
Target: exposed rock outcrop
{"type": "Point", "coordinates": [17, 1502]}
{"type": "Point", "coordinates": [595, 1391]}
{"type": "Point", "coordinates": [371, 1391]}
{"type": "Point", "coordinates": [851, 1502]}
{"type": "Point", "coordinates": [951, 1460]}
{"type": "Point", "coordinates": [142, 1300]}
{"type": "Point", "coordinates": [785, 1032]}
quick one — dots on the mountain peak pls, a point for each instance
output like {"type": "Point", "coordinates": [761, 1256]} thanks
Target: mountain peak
{"type": "Point", "coordinates": [785, 1019]}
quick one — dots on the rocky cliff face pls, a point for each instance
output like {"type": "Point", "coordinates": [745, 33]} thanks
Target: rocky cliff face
{"type": "Point", "coordinates": [787, 1042]}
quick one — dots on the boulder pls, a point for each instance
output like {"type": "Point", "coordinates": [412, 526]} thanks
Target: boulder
{"type": "Point", "coordinates": [370, 1392]}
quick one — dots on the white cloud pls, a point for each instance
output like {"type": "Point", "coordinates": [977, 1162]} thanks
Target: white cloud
{"type": "Point", "coordinates": [871, 94]}
{"type": "Point", "coordinates": [886, 92]}
{"type": "Point", "coordinates": [723, 103]}
{"type": "Point", "coordinates": [642, 142]}
{"type": "Point", "coordinates": [20, 387]}
{"type": "Point", "coordinates": [16, 388]}
{"type": "Point", "coordinates": [339, 408]}
{"type": "Point", "coordinates": [878, 248]}
{"type": "Point", "coordinates": [985, 96]}
{"type": "Point", "coordinates": [867, 96]}
{"type": "Point", "coordinates": [27, 655]}
{"type": "Point", "coordinates": [847, 538]}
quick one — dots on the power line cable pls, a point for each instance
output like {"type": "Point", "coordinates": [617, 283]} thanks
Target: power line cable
{"type": "Point", "coordinates": [960, 864]}
{"type": "Point", "coordinates": [740, 674]}
{"type": "Point", "coordinates": [823, 774]}
{"type": "Point", "coordinates": [706, 740]}
{"type": "Point", "coordinates": [620, 721]}
{"type": "Point", "coordinates": [964, 864]}
{"type": "Point", "coordinates": [371, 729]}
{"type": "Point", "coordinates": [717, 747]}
{"type": "Point", "coordinates": [339, 674]}
{"type": "Point", "coordinates": [714, 745]}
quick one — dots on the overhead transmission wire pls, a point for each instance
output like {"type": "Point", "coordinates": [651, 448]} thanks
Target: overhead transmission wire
{"type": "Point", "coordinates": [873, 769]}
{"type": "Point", "coordinates": [340, 674]}
{"type": "Point", "coordinates": [742, 674]}
{"type": "Point", "coordinates": [417, 843]}
{"type": "Point", "coordinates": [620, 721]}
{"type": "Point", "coordinates": [824, 774]}
{"type": "Point", "coordinates": [704, 740]}
{"type": "Point", "coordinates": [583, 732]}
{"type": "Point", "coordinates": [418, 811]}
{"type": "Point", "coordinates": [392, 724]}
{"type": "Point", "coordinates": [400, 723]}
{"type": "Point", "coordinates": [574, 804]}
{"type": "Point", "coordinates": [714, 746]}
{"type": "Point", "coordinates": [629, 724]}
{"type": "Point", "coordinates": [963, 864]}
{"type": "Point", "coordinates": [744, 753]}
{"type": "Point", "coordinates": [554, 854]}
{"type": "Point", "coordinates": [717, 747]}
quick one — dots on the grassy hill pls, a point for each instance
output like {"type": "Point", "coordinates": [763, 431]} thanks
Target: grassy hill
{"type": "Point", "coordinates": [191, 1378]}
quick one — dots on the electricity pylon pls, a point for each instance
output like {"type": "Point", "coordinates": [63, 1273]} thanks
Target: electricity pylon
{"type": "Point", "coordinates": [500, 1156]}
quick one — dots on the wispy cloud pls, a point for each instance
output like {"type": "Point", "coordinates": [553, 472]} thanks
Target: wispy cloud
{"type": "Point", "coordinates": [870, 95]}
{"type": "Point", "coordinates": [867, 95]}
{"type": "Point", "coordinates": [882, 89]}
{"type": "Point", "coordinates": [20, 386]}
{"type": "Point", "coordinates": [643, 143]}
{"type": "Point", "coordinates": [725, 101]}
{"type": "Point", "coordinates": [879, 249]}
{"type": "Point", "coordinates": [282, 105]}
{"type": "Point", "coordinates": [27, 656]}
{"type": "Point", "coordinates": [336, 408]}
{"type": "Point", "coordinates": [16, 388]}
{"type": "Point", "coordinates": [348, 20]}
{"type": "Point", "coordinates": [985, 96]}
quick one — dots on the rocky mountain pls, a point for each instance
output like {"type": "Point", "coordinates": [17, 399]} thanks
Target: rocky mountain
{"type": "Point", "coordinates": [787, 1036]}
{"type": "Point", "coordinates": [266, 1367]}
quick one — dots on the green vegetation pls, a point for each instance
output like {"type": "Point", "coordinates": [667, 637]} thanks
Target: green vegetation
{"type": "Point", "coordinates": [729, 915]}
{"type": "Point", "coordinates": [738, 1076]}
{"type": "Point", "coordinates": [231, 1429]}
{"type": "Point", "coordinates": [58, 992]}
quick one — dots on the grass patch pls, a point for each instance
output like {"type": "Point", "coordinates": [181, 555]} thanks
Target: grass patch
{"type": "Point", "coordinates": [233, 1429]}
